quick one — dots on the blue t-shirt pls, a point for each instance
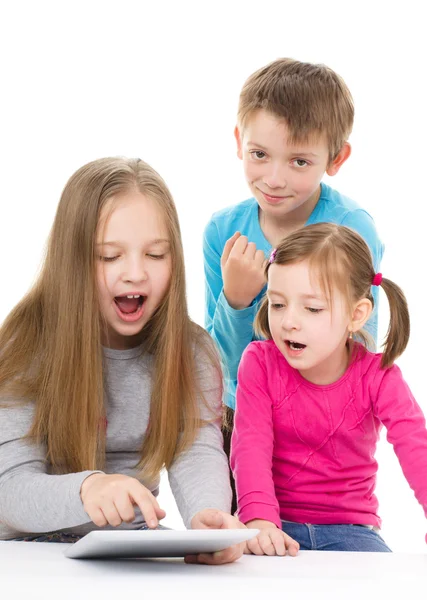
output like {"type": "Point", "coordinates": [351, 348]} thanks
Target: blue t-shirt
{"type": "Point", "coordinates": [232, 329]}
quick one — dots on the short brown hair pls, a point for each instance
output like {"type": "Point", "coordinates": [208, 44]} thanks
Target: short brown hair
{"type": "Point", "coordinates": [311, 98]}
{"type": "Point", "coordinates": [341, 259]}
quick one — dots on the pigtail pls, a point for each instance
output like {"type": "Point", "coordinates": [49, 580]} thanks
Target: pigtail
{"type": "Point", "coordinates": [397, 336]}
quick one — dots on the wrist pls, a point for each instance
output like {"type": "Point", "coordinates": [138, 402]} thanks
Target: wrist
{"type": "Point", "coordinates": [237, 303]}
{"type": "Point", "coordinates": [260, 524]}
{"type": "Point", "coordinates": [87, 483]}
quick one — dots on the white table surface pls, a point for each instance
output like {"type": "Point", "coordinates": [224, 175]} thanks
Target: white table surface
{"type": "Point", "coordinates": [40, 570]}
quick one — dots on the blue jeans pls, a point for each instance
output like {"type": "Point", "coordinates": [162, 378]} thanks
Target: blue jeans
{"type": "Point", "coordinates": [343, 538]}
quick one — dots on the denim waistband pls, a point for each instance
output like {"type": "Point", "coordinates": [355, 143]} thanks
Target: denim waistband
{"type": "Point", "coordinates": [329, 524]}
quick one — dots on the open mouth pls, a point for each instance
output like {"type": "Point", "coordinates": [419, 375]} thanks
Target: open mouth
{"type": "Point", "coordinates": [130, 307]}
{"type": "Point", "coordinates": [294, 345]}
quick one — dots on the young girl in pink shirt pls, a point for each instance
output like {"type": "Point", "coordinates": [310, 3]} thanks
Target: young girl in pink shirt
{"type": "Point", "coordinates": [311, 401]}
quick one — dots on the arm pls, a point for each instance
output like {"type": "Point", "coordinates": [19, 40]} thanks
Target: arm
{"type": "Point", "coordinates": [362, 222]}
{"type": "Point", "coordinates": [31, 500]}
{"type": "Point", "coordinates": [199, 477]}
{"type": "Point", "coordinates": [398, 410]}
{"type": "Point", "coordinates": [253, 442]}
{"type": "Point", "coordinates": [231, 329]}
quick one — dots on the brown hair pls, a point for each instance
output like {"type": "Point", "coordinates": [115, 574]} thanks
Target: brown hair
{"type": "Point", "coordinates": [311, 98]}
{"type": "Point", "coordinates": [51, 341]}
{"type": "Point", "coordinates": [342, 260]}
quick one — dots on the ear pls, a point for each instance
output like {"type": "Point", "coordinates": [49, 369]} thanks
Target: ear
{"type": "Point", "coordinates": [361, 313]}
{"type": "Point", "coordinates": [339, 160]}
{"type": "Point", "coordinates": [239, 142]}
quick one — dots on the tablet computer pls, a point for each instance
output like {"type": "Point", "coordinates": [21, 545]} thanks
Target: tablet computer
{"type": "Point", "coordinates": [156, 543]}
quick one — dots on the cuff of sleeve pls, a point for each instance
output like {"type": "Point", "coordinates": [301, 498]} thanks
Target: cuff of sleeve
{"type": "Point", "coordinates": [260, 511]}
{"type": "Point", "coordinates": [81, 514]}
{"type": "Point", "coordinates": [235, 313]}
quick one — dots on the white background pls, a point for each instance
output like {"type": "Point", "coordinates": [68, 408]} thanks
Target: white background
{"type": "Point", "coordinates": [160, 80]}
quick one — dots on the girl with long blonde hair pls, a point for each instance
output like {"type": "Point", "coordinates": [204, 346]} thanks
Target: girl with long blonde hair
{"type": "Point", "coordinates": [104, 379]}
{"type": "Point", "coordinates": [311, 400]}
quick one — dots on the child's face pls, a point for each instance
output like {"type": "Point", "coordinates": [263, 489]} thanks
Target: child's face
{"type": "Point", "coordinates": [310, 332]}
{"type": "Point", "coordinates": [282, 176]}
{"type": "Point", "coordinates": [134, 259]}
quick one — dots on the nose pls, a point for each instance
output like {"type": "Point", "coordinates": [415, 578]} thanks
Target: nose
{"type": "Point", "coordinates": [290, 320]}
{"type": "Point", "coordinates": [135, 270]}
{"type": "Point", "coordinates": [276, 176]}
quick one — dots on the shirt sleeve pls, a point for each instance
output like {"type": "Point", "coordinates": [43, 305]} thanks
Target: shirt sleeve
{"type": "Point", "coordinates": [31, 499]}
{"type": "Point", "coordinates": [199, 477]}
{"type": "Point", "coordinates": [398, 410]}
{"type": "Point", "coordinates": [253, 441]}
{"type": "Point", "coordinates": [231, 329]}
{"type": "Point", "coordinates": [362, 222]}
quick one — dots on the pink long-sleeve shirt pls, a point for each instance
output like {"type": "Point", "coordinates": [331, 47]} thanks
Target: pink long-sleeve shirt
{"type": "Point", "coordinates": [304, 452]}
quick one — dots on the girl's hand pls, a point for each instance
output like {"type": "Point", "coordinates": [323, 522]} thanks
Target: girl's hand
{"type": "Point", "coordinates": [270, 541]}
{"type": "Point", "coordinates": [211, 518]}
{"type": "Point", "coordinates": [109, 500]}
{"type": "Point", "coordinates": [242, 267]}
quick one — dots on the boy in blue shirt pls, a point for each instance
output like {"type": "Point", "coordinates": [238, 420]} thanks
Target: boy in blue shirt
{"type": "Point", "coordinates": [293, 124]}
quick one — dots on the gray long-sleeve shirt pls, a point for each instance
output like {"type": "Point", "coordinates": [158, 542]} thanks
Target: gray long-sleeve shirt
{"type": "Point", "coordinates": [32, 500]}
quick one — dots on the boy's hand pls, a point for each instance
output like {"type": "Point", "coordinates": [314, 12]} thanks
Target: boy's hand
{"type": "Point", "coordinates": [270, 541]}
{"type": "Point", "coordinates": [242, 267]}
{"type": "Point", "coordinates": [109, 500]}
{"type": "Point", "coordinates": [211, 518]}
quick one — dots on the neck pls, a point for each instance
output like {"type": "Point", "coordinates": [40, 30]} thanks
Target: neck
{"type": "Point", "coordinates": [331, 369]}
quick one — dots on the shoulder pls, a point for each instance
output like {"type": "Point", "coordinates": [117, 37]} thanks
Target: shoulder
{"type": "Point", "coordinates": [366, 361]}
{"type": "Point", "coordinates": [334, 207]}
{"type": "Point", "coordinates": [387, 389]}
{"type": "Point", "coordinates": [207, 373]}
{"type": "Point", "coordinates": [232, 218]}
{"type": "Point", "coordinates": [205, 353]}
{"type": "Point", "coordinates": [367, 365]}
{"type": "Point", "coordinates": [234, 211]}
{"type": "Point", "coordinates": [264, 368]}
{"type": "Point", "coordinates": [338, 204]}
{"type": "Point", "coordinates": [261, 349]}
{"type": "Point", "coordinates": [266, 355]}
{"type": "Point", "coordinates": [16, 417]}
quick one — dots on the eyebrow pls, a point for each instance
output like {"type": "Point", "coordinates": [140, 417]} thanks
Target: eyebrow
{"type": "Point", "coordinates": [313, 297]}
{"type": "Point", "coordinates": [303, 153]}
{"type": "Point", "coordinates": [249, 143]}
{"type": "Point", "coordinates": [152, 243]}
{"type": "Point", "coordinates": [304, 296]}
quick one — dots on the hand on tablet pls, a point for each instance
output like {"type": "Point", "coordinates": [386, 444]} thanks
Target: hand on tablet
{"type": "Point", "coordinates": [110, 500]}
{"type": "Point", "coordinates": [271, 540]}
{"type": "Point", "coordinates": [211, 518]}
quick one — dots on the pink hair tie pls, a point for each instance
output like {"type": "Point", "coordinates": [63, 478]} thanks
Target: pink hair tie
{"type": "Point", "coordinates": [378, 277]}
{"type": "Point", "coordinates": [272, 255]}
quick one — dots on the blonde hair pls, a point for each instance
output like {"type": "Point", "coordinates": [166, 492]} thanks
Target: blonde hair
{"type": "Point", "coordinates": [342, 260]}
{"type": "Point", "coordinates": [311, 98]}
{"type": "Point", "coordinates": [51, 341]}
